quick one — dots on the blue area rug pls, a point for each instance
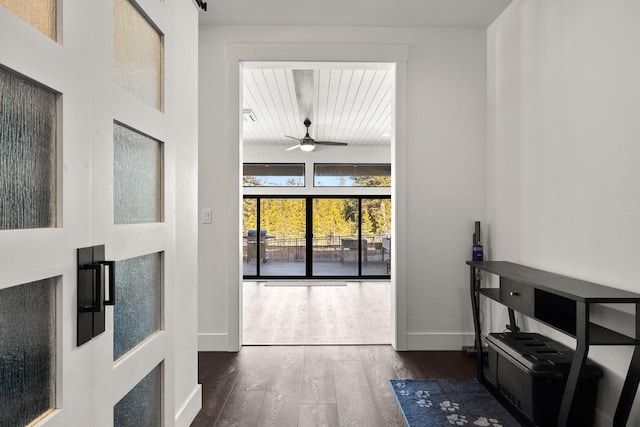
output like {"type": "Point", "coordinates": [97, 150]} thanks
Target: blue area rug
{"type": "Point", "coordinates": [435, 403]}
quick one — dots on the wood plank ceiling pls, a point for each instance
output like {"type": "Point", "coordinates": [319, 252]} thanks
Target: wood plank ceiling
{"type": "Point", "coordinates": [350, 104]}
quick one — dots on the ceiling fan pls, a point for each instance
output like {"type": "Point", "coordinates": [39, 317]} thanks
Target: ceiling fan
{"type": "Point", "coordinates": [309, 144]}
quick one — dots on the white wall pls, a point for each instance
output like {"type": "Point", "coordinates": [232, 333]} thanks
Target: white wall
{"type": "Point", "coordinates": [562, 161]}
{"type": "Point", "coordinates": [445, 173]}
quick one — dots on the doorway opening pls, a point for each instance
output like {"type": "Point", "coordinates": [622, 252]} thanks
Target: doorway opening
{"type": "Point", "coordinates": [354, 96]}
{"type": "Point", "coordinates": [314, 227]}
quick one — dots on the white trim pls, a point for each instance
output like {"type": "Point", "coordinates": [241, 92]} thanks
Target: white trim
{"type": "Point", "coordinates": [325, 65]}
{"type": "Point", "coordinates": [399, 204]}
{"type": "Point", "coordinates": [342, 52]}
{"type": "Point", "coordinates": [213, 342]}
{"type": "Point", "coordinates": [190, 408]}
{"type": "Point", "coordinates": [131, 368]}
{"type": "Point", "coordinates": [397, 54]}
{"type": "Point", "coordinates": [234, 232]}
{"type": "Point", "coordinates": [438, 340]}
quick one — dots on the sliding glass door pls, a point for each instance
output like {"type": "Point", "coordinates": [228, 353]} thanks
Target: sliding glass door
{"type": "Point", "coordinates": [349, 237]}
{"type": "Point", "coordinates": [278, 247]}
{"type": "Point", "coordinates": [336, 250]}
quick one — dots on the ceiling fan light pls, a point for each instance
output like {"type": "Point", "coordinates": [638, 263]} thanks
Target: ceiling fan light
{"type": "Point", "coordinates": [307, 147]}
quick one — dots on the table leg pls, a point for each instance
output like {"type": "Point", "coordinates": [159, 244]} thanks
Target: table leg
{"type": "Point", "coordinates": [476, 322]}
{"type": "Point", "coordinates": [579, 359]}
{"type": "Point", "coordinates": [631, 382]}
{"type": "Point", "coordinates": [513, 326]}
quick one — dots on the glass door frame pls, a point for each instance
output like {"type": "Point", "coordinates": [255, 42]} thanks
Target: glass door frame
{"type": "Point", "coordinates": [309, 237]}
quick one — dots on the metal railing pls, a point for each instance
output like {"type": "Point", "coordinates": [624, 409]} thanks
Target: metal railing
{"type": "Point", "coordinates": [325, 248]}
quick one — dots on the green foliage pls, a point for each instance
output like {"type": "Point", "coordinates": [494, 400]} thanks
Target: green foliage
{"type": "Point", "coordinates": [371, 181]}
{"type": "Point", "coordinates": [286, 218]}
{"type": "Point", "coordinates": [249, 215]}
{"type": "Point", "coordinates": [331, 217]}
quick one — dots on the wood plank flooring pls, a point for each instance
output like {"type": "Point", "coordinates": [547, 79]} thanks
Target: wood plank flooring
{"type": "Point", "coordinates": [355, 313]}
{"type": "Point", "coordinates": [283, 386]}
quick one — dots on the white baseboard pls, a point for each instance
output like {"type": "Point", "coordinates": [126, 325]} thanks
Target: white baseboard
{"type": "Point", "coordinates": [188, 411]}
{"type": "Point", "coordinates": [213, 342]}
{"type": "Point", "coordinates": [438, 340]}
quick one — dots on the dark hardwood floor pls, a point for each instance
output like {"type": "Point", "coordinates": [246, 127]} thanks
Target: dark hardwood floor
{"type": "Point", "coordinates": [284, 386]}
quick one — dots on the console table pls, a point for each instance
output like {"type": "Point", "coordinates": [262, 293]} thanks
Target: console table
{"type": "Point", "coordinates": [562, 303]}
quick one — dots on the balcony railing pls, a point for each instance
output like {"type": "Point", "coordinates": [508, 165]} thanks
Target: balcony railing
{"type": "Point", "coordinates": [325, 248]}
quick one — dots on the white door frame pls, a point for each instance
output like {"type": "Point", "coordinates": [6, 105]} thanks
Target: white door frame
{"type": "Point", "coordinates": [237, 53]}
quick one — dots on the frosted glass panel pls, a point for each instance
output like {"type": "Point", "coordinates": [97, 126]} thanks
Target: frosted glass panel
{"type": "Point", "coordinates": [142, 406]}
{"type": "Point", "coordinates": [27, 352]}
{"type": "Point", "coordinates": [137, 177]}
{"type": "Point", "coordinates": [136, 313]}
{"type": "Point", "coordinates": [27, 153]}
{"type": "Point", "coordinates": [39, 13]}
{"type": "Point", "coordinates": [137, 54]}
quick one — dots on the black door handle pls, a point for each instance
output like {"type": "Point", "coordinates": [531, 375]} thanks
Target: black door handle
{"type": "Point", "coordinates": [112, 282]}
{"type": "Point", "coordinates": [97, 305]}
{"type": "Point", "coordinates": [91, 299]}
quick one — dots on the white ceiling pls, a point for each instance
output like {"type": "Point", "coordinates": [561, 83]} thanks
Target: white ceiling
{"type": "Point", "coordinates": [350, 103]}
{"type": "Point", "coordinates": [357, 13]}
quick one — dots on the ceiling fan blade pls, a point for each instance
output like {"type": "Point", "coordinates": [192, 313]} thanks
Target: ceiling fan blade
{"type": "Point", "coordinates": [303, 81]}
{"type": "Point", "coordinates": [293, 137]}
{"type": "Point", "coordinates": [293, 148]}
{"type": "Point", "coordinates": [331, 143]}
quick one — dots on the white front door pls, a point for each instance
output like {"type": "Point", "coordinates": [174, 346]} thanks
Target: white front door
{"type": "Point", "coordinates": [91, 114]}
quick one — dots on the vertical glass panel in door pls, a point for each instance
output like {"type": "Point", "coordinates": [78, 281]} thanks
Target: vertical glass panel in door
{"type": "Point", "coordinates": [282, 248]}
{"type": "Point", "coordinates": [137, 177]}
{"type": "Point", "coordinates": [142, 406]}
{"type": "Point", "coordinates": [249, 222]}
{"type": "Point", "coordinates": [27, 351]}
{"type": "Point", "coordinates": [376, 230]}
{"type": "Point", "coordinates": [27, 153]}
{"type": "Point", "coordinates": [136, 313]}
{"type": "Point", "coordinates": [41, 14]}
{"type": "Point", "coordinates": [137, 54]}
{"type": "Point", "coordinates": [336, 249]}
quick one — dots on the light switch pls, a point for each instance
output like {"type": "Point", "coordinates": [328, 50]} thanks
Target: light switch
{"type": "Point", "coordinates": [206, 216]}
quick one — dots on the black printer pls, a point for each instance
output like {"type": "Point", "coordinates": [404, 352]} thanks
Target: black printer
{"type": "Point", "coordinates": [530, 370]}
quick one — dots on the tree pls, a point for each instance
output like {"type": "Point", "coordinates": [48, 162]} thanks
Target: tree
{"type": "Point", "coordinates": [251, 181]}
{"type": "Point", "coordinates": [331, 219]}
{"type": "Point", "coordinates": [249, 215]}
{"type": "Point", "coordinates": [367, 225]}
{"type": "Point", "coordinates": [371, 181]}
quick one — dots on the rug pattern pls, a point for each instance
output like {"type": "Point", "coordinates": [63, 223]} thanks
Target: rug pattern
{"type": "Point", "coordinates": [444, 402]}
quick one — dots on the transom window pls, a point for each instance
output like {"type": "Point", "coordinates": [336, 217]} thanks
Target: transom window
{"type": "Point", "coordinates": [352, 175]}
{"type": "Point", "coordinates": [273, 175]}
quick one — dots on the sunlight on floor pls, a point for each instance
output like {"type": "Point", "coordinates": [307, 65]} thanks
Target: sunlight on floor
{"type": "Point", "coordinates": [316, 312]}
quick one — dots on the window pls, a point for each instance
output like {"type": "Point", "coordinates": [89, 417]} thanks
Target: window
{"type": "Point", "coordinates": [28, 155]}
{"type": "Point", "coordinates": [324, 236]}
{"type": "Point", "coordinates": [142, 406]}
{"type": "Point", "coordinates": [137, 176]}
{"type": "Point", "coordinates": [137, 311]}
{"type": "Point", "coordinates": [27, 351]}
{"type": "Point", "coordinates": [137, 54]}
{"type": "Point", "coordinates": [41, 14]}
{"type": "Point", "coordinates": [351, 175]}
{"type": "Point", "coordinates": [273, 175]}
